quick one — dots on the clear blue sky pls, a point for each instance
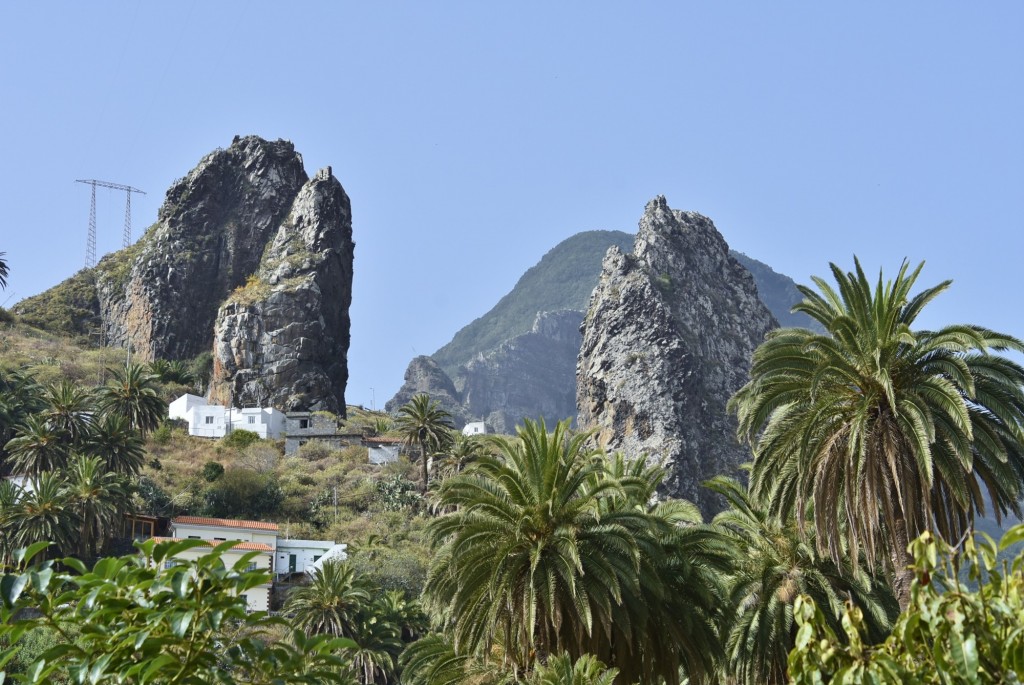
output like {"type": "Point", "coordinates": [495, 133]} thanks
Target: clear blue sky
{"type": "Point", "coordinates": [472, 137]}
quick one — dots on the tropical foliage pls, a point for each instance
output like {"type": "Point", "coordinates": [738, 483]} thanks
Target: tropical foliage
{"type": "Point", "coordinates": [549, 547]}
{"type": "Point", "coordinates": [773, 564]}
{"type": "Point", "coordinates": [133, 395]}
{"type": "Point", "coordinates": [883, 431]}
{"type": "Point", "coordinates": [950, 633]}
{"type": "Point", "coordinates": [129, 620]}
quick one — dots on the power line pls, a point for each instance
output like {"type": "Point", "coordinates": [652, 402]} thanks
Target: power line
{"type": "Point", "coordinates": [126, 236]}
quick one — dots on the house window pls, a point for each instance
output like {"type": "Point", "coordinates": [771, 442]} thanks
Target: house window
{"type": "Point", "coordinates": [209, 420]}
{"type": "Point", "coordinates": [252, 419]}
{"type": "Point", "coordinates": [316, 558]}
{"type": "Point", "coordinates": [193, 537]}
{"type": "Point", "coordinates": [220, 539]}
{"type": "Point", "coordinates": [169, 563]}
{"type": "Point", "coordinates": [251, 566]}
{"type": "Point", "coordinates": [303, 423]}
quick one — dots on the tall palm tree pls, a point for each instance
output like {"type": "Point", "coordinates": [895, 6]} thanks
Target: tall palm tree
{"type": "Point", "coordinates": [4, 270]}
{"type": "Point", "coordinates": [331, 603]}
{"type": "Point", "coordinates": [38, 446]}
{"type": "Point", "coordinates": [119, 446]}
{"type": "Point", "coordinates": [422, 422]}
{"type": "Point", "coordinates": [887, 431]}
{"type": "Point", "coordinates": [133, 394]}
{"type": "Point", "coordinates": [773, 564]}
{"type": "Point", "coordinates": [44, 513]}
{"type": "Point", "coordinates": [98, 499]}
{"type": "Point", "coordinates": [546, 549]}
{"type": "Point", "coordinates": [20, 397]}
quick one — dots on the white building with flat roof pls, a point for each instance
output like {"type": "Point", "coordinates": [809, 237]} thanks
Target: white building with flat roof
{"type": "Point", "coordinates": [207, 420]}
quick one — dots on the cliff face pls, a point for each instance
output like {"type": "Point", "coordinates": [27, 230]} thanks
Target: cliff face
{"type": "Point", "coordinates": [667, 339]}
{"type": "Point", "coordinates": [282, 340]}
{"type": "Point", "coordinates": [210, 235]}
{"type": "Point", "coordinates": [531, 375]}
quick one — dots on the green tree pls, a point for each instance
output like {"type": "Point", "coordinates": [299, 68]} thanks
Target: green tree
{"type": "Point", "coordinates": [563, 670]}
{"type": "Point", "coordinates": [463, 451]}
{"type": "Point", "coordinates": [331, 603]}
{"type": "Point", "coordinates": [773, 564]}
{"type": "Point", "coordinates": [38, 446]}
{"type": "Point", "coordinates": [422, 422]}
{"type": "Point", "coordinates": [175, 371]}
{"type": "Point", "coordinates": [10, 494]}
{"type": "Point", "coordinates": [133, 394]}
{"type": "Point", "coordinates": [130, 620]}
{"type": "Point", "coordinates": [44, 513]}
{"type": "Point", "coordinates": [887, 431]}
{"type": "Point", "coordinates": [4, 271]}
{"type": "Point", "coordinates": [69, 411]}
{"type": "Point", "coordinates": [112, 439]}
{"type": "Point", "coordinates": [950, 633]}
{"type": "Point", "coordinates": [548, 547]}
{"type": "Point", "coordinates": [98, 499]}
{"type": "Point", "coordinates": [20, 397]}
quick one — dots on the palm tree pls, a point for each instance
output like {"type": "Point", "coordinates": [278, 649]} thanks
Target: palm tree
{"type": "Point", "coordinates": [175, 371]}
{"type": "Point", "coordinates": [112, 439]}
{"type": "Point", "coordinates": [44, 513]}
{"type": "Point", "coordinates": [422, 422]}
{"type": "Point", "coordinates": [38, 446]}
{"type": "Point", "coordinates": [4, 271]}
{"type": "Point", "coordinates": [562, 670]}
{"type": "Point", "coordinates": [69, 410]}
{"type": "Point", "coordinates": [546, 549]}
{"type": "Point", "coordinates": [20, 397]}
{"type": "Point", "coordinates": [331, 603]}
{"type": "Point", "coordinates": [773, 564]}
{"type": "Point", "coordinates": [133, 394]}
{"type": "Point", "coordinates": [885, 430]}
{"type": "Point", "coordinates": [10, 494]}
{"type": "Point", "coordinates": [98, 499]}
{"type": "Point", "coordinates": [463, 450]}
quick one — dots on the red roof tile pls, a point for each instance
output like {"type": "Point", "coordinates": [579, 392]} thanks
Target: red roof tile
{"type": "Point", "coordinates": [243, 546]}
{"type": "Point", "coordinates": [225, 523]}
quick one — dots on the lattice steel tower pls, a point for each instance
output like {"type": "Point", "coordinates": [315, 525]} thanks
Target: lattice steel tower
{"type": "Point", "coordinates": [126, 237]}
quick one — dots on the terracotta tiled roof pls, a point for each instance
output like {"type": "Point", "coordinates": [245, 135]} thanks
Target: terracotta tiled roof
{"type": "Point", "coordinates": [225, 523]}
{"type": "Point", "coordinates": [242, 546]}
{"type": "Point", "coordinates": [383, 441]}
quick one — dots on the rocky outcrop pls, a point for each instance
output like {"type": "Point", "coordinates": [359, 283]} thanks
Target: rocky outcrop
{"type": "Point", "coordinates": [667, 339]}
{"type": "Point", "coordinates": [246, 229]}
{"type": "Point", "coordinates": [282, 339]}
{"type": "Point", "coordinates": [161, 296]}
{"type": "Point", "coordinates": [424, 376]}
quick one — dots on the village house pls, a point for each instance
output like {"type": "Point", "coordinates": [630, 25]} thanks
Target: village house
{"type": "Point", "coordinates": [207, 420]}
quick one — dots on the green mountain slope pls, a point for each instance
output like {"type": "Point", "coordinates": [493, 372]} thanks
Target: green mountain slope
{"type": "Point", "coordinates": [563, 279]}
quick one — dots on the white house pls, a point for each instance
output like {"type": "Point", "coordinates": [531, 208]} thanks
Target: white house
{"type": "Point", "coordinates": [280, 556]}
{"type": "Point", "coordinates": [298, 556]}
{"type": "Point", "coordinates": [476, 428]}
{"type": "Point", "coordinates": [254, 536]}
{"type": "Point", "coordinates": [213, 420]}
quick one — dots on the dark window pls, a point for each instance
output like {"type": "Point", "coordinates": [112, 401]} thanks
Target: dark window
{"type": "Point", "coordinates": [303, 423]}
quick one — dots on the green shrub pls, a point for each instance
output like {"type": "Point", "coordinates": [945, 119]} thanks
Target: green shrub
{"type": "Point", "coordinates": [239, 439]}
{"type": "Point", "coordinates": [161, 435]}
{"type": "Point", "coordinates": [212, 471]}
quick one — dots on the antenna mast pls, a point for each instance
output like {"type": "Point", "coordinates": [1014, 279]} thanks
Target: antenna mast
{"type": "Point", "coordinates": [126, 236]}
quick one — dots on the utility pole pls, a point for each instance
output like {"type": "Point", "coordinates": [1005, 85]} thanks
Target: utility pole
{"type": "Point", "coordinates": [126, 235]}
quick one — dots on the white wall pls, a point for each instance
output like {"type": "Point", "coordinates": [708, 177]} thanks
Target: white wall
{"type": "Point", "coordinates": [306, 553]}
{"type": "Point", "coordinates": [178, 409]}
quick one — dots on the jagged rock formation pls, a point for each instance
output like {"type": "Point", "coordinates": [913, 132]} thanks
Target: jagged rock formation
{"type": "Point", "coordinates": [162, 294]}
{"type": "Point", "coordinates": [667, 339]}
{"type": "Point", "coordinates": [282, 340]}
{"type": "Point", "coordinates": [210, 235]}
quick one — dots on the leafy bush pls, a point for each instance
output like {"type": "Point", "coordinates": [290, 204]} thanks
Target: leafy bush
{"type": "Point", "coordinates": [243, 494]}
{"type": "Point", "coordinates": [949, 633]}
{"type": "Point", "coordinates": [212, 471]}
{"type": "Point", "coordinates": [239, 439]}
